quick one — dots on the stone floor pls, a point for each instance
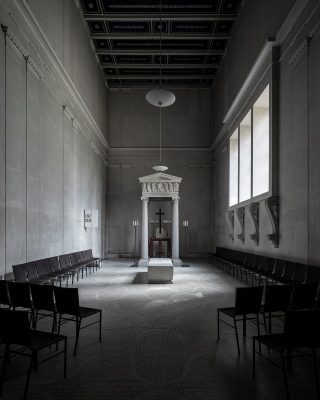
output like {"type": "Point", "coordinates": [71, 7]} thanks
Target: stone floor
{"type": "Point", "coordinates": [159, 343]}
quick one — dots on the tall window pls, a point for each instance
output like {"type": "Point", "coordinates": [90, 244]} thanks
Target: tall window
{"type": "Point", "coordinates": [249, 159]}
{"type": "Point", "coordinates": [233, 170]}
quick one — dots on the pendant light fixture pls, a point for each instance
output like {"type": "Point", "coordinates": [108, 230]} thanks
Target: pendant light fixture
{"type": "Point", "coordinates": [160, 97]}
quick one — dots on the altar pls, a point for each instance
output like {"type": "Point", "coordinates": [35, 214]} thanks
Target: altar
{"type": "Point", "coordinates": [160, 270]}
{"type": "Point", "coordinates": [160, 186]}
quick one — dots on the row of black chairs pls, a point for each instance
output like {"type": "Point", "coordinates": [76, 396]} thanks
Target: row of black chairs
{"type": "Point", "coordinates": [298, 305]}
{"type": "Point", "coordinates": [57, 269]}
{"type": "Point", "coordinates": [39, 301]}
{"type": "Point", "coordinates": [43, 301]}
{"type": "Point", "coordinates": [255, 268]}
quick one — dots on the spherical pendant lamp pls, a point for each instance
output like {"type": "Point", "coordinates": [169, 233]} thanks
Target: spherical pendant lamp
{"type": "Point", "coordinates": [160, 97]}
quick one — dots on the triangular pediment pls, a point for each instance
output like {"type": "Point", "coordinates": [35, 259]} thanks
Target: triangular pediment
{"type": "Point", "coordinates": [160, 177]}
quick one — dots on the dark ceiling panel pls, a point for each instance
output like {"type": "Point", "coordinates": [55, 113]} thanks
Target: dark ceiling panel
{"type": "Point", "coordinates": [133, 59]}
{"type": "Point", "coordinates": [230, 6]}
{"type": "Point", "coordinates": [97, 26]}
{"type": "Point", "coordinates": [192, 27]}
{"type": "Point", "coordinates": [189, 59]}
{"type": "Point", "coordinates": [147, 6]}
{"type": "Point", "coordinates": [90, 6]}
{"type": "Point", "coordinates": [101, 44]}
{"type": "Point", "coordinates": [105, 58]}
{"type": "Point", "coordinates": [129, 27]}
{"type": "Point", "coordinates": [132, 44]}
{"type": "Point", "coordinates": [223, 27]}
{"type": "Point", "coordinates": [125, 35]}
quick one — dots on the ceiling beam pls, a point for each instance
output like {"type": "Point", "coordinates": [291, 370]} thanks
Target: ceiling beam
{"type": "Point", "coordinates": [171, 36]}
{"type": "Point", "coordinates": [164, 52]}
{"type": "Point", "coordinates": [158, 77]}
{"type": "Point", "coordinates": [155, 66]}
{"type": "Point", "coordinates": [172, 16]}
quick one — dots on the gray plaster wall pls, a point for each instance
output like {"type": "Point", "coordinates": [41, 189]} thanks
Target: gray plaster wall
{"type": "Point", "coordinates": [134, 139]}
{"type": "Point", "coordinates": [298, 171]}
{"type": "Point", "coordinates": [50, 165]}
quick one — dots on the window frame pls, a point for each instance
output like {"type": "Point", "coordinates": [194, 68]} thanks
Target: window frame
{"type": "Point", "coordinates": [270, 78]}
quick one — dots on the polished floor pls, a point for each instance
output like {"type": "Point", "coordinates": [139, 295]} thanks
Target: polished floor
{"type": "Point", "coordinates": [159, 343]}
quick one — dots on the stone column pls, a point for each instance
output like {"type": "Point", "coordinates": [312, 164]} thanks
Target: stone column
{"type": "Point", "coordinates": [175, 232]}
{"type": "Point", "coordinates": [144, 233]}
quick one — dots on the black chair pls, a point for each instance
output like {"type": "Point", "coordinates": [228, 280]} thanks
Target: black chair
{"type": "Point", "coordinates": [32, 273]}
{"type": "Point", "coordinates": [277, 300]}
{"type": "Point", "coordinates": [67, 303]}
{"type": "Point", "coordinates": [19, 273]}
{"type": "Point", "coordinates": [247, 302]}
{"type": "Point", "coordinates": [303, 296]}
{"type": "Point", "coordinates": [313, 274]}
{"type": "Point", "coordinates": [301, 330]}
{"type": "Point", "coordinates": [20, 297]}
{"type": "Point", "coordinates": [43, 304]}
{"type": "Point", "coordinates": [15, 330]}
{"type": "Point", "coordinates": [4, 294]}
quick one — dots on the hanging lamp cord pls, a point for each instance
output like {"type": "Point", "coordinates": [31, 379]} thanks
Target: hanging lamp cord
{"type": "Point", "coordinates": [160, 28]}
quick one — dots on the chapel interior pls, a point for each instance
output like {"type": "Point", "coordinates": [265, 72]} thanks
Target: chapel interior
{"type": "Point", "coordinates": [159, 199]}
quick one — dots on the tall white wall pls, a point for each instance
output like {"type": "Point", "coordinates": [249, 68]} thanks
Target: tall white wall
{"type": "Point", "coordinates": [298, 160]}
{"type": "Point", "coordinates": [50, 168]}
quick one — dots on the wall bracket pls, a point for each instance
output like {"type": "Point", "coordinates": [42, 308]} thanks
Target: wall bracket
{"type": "Point", "coordinates": [254, 213]}
{"type": "Point", "coordinates": [230, 222]}
{"type": "Point", "coordinates": [240, 214]}
{"type": "Point", "coordinates": [272, 207]}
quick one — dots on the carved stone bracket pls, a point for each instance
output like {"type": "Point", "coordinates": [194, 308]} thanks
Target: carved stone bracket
{"type": "Point", "coordinates": [272, 207]}
{"type": "Point", "coordinates": [240, 214]}
{"type": "Point", "coordinates": [254, 213]}
{"type": "Point", "coordinates": [230, 222]}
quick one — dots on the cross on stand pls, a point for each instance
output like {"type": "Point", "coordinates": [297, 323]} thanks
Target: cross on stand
{"type": "Point", "coordinates": [160, 213]}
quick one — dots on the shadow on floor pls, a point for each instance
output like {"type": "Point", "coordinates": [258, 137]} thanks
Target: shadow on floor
{"type": "Point", "coordinates": [141, 278]}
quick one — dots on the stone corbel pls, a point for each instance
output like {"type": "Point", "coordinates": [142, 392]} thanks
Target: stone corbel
{"type": "Point", "coordinates": [254, 213]}
{"type": "Point", "coordinates": [272, 207]}
{"type": "Point", "coordinates": [240, 214]}
{"type": "Point", "coordinates": [230, 222]}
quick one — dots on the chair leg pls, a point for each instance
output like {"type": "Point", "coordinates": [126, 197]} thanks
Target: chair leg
{"type": "Point", "coordinates": [265, 323]}
{"type": "Point", "coordinates": [285, 376]}
{"type": "Point", "coordinates": [78, 323]}
{"type": "Point", "coordinates": [100, 326]}
{"type": "Point", "coordinates": [270, 322]}
{"type": "Point", "coordinates": [65, 359]}
{"type": "Point", "coordinates": [28, 377]}
{"type": "Point", "coordinates": [5, 359]}
{"type": "Point", "coordinates": [237, 338]}
{"type": "Point", "coordinates": [316, 372]}
{"type": "Point", "coordinates": [35, 320]}
{"type": "Point", "coordinates": [254, 358]}
{"type": "Point", "coordinates": [218, 318]}
{"type": "Point", "coordinates": [258, 326]}
{"type": "Point", "coordinates": [244, 327]}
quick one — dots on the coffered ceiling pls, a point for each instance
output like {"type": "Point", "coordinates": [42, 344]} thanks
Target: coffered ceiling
{"type": "Point", "coordinates": [125, 36]}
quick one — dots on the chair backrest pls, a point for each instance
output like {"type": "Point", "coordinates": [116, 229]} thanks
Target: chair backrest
{"type": "Point", "coordinates": [55, 264]}
{"type": "Point", "coordinates": [20, 295]}
{"type": "Point", "coordinates": [4, 294]}
{"type": "Point", "coordinates": [302, 328]}
{"type": "Point", "coordinates": [48, 266]}
{"type": "Point", "coordinates": [64, 260]}
{"type": "Point", "coordinates": [277, 298]}
{"type": "Point", "coordinates": [248, 300]}
{"type": "Point", "coordinates": [299, 274]}
{"type": "Point", "coordinates": [14, 327]}
{"type": "Point", "coordinates": [312, 274]}
{"type": "Point", "coordinates": [42, 296]}
{"type": "Point", "coordinates": [279, 267]}
{"type": "Point", "coordinates": [19, 273]}
{"type": "Point", "coordinates": [303, 296]}
{"type": "Point", "coordinates": [31, 269]}
{"type": "Point", "coordinates": [90, 255]}
{"type": "Point", "coordinates": [67, 300]}
{"type": "Point", "coordinates": [269, 265]}
{"type": "Point", "coordinates": [41, 268]}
